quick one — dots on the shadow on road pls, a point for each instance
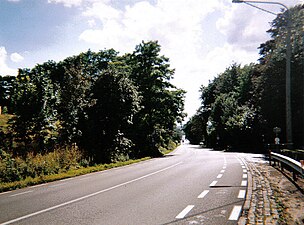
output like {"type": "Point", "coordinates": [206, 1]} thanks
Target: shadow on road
{"type": "Point", "coordinates": [181, 221]}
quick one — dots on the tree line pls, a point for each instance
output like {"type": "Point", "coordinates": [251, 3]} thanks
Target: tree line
{"type": "Point", "coordinates": [109, 105]}
{"type": "Point", "coordinates": [241, 106]}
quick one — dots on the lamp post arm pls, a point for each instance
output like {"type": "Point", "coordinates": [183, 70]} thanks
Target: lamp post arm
{"type": "Point", "coordinates": [250, 4]}
{"type": "Point", "coordinates": [263, 2]}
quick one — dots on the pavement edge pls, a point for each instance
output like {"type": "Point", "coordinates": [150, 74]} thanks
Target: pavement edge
{"type": "Point", "coordinates": [243, 218]}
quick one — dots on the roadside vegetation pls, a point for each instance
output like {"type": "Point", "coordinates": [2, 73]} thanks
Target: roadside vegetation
{"type": "Point", "coordinates": [89, 112]}
{"type": "Point", "coordinates": [241, 106]}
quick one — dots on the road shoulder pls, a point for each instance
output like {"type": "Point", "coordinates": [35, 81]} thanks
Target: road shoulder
{"type": "Point", "coordinates": [274, 199]}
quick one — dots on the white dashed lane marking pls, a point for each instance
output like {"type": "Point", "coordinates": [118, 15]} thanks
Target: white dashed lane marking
{"type": "Point", "coordinates": [203, 194]}
{"type": "Point", "coordinates": [235, 212]}
{"type": "Point", "coordinates": [242, 194]}
{"type": "Point", "coordinates": [219, 176]}
{"type": "Point", "coordinates": [244, 183]}
{"type": "Point", "coordinates": [183, 213]}
{"type": "Point", "coordinates": [213, 183]}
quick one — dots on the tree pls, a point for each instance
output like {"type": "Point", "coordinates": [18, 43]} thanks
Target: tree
{"type": "Point", "coordinates": [195, 129]}
{"type": "Point", "coordinates": [272, 66]}
{"type": "Point", "coordinates": [77, 77]}
{"type": "Point", "coordinates": [111, 106]}
{"type": "Point", "coordinates": [162, 103]}
{"type": "Point", "coordinates": [230, 104]}
{"type": "Point", "coordinates": [35, 101]}
{"type": "Point", "coordinates": [116, 101]}
{"type": "Point", "coordinates": [6, 91]}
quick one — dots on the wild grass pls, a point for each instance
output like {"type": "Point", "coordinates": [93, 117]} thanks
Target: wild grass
{"type": "Point", "coordinates": [4, 118]}
{"type": "Point", "coordinates": [42, 171]}
{"type": "Point", "coordinates": [19, 172]}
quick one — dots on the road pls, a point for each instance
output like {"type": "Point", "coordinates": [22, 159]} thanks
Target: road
{"type": "Point", "coordinates": [190, 186]}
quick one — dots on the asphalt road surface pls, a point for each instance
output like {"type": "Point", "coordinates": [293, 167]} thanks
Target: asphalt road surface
{"type": "Point", "coordinates": [190, 186]}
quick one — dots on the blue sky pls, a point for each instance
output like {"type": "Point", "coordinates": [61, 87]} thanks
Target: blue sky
{"type": "Point", "coordinates": [201, 37]}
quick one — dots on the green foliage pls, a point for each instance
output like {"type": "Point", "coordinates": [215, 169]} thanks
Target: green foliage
{"type": "Point", "coordinates": [116, 102]}
{"type": "Point", "coordinates": [230, 112]}
{"type": "Point", "coordinates": [162, 103]}
{"type": "Point", "coordinates": [241, 106]}
{"type": "Point", "coordinates": [4, 121]}
{"type": "Point", "coordinates": [195, 129]}
{"type": "Point", "coordinates": [112, 107]}
{"type": "Point", "coordinates": [272, 66]}
{"type": "Point", "coordinates": [6, 89]}
{"type": "Point", "coordinates": [37, 165]}
{"type": "Point", "coordinates": [11, 185]}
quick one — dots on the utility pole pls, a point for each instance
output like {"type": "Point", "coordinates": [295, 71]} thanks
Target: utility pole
{"type": "Point", "coordinates": [289, 139]}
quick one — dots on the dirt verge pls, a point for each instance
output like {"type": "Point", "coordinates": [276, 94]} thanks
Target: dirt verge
{"type": "Point", "coordinates": [289, 195]}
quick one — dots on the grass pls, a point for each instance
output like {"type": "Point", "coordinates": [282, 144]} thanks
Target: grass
{"type": "Point", "coordinates": [29, 181]}
{"type": "Point", "coordinates": [17, 172]}
{"type": "Point", "coordinates": [4, 118]}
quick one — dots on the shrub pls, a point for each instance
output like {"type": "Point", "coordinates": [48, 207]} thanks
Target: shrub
{"type": "Point", "coordinates": [60, 160]}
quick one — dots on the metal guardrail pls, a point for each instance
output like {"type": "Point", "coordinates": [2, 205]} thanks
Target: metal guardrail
{"type": "Point", "coordinates": [294, 164]}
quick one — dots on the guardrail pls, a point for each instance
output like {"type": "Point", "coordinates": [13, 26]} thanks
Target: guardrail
{"type": "Point", "coordinates": [293, 164]}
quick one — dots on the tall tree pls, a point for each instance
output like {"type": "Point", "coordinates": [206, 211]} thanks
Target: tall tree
{"type": "Point", "coordinates": [231, 105]}
{"type": "Point", "coordinates": [273, 61]}
{"type": "Point", "coordinates": [35, 101]}
{"type": "Point", "coordinates": [116, 101]}
{"type": "Point", "coordinates": [162, 103]}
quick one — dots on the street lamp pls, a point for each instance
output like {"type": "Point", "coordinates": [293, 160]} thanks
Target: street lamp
{"type": "Point", "coordinates": [288, 59]}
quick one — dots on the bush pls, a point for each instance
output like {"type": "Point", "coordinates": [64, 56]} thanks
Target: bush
{"type": "Point", "coordinates": [16, 168]}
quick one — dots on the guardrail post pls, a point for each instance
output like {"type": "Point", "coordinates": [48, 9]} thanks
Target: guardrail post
{"type": "Point", "coordinates": [296, 167]}
{"type": "Point", "coordinates": [294, 175]}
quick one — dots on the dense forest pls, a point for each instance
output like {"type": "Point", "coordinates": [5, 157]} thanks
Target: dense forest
{"type": "Point", "coordinates": [109, 106]}
{"type": "Point", "coordinates": [241, 106]}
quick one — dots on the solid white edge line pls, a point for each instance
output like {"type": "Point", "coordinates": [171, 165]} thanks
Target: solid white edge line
{"type": "Point", "coordinates": [87, 196]}
{"type": "Point", "coordinates": [183, 213]}
{"type": "Point", "coordinates": [22, 193]}
{"type": "Point", "coordinates": [58, 185]}
{"type": "Point", "coordinates": [213, 183]}
{"type": "Point", "coordinates": [5, 192]}
{"type": "Point", "coordinates": [235, 212]}
{"type": "Point", "coordinates": [242, 194]}
{"type": "Point", "coordinates": [203, 194]}
{"type": "Point", "coordinates": [38, 185]}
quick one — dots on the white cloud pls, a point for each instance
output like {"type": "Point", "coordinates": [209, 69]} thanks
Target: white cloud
{"type": "Point", "coordinates": [91, 23]}
{"type": "Point", "coordinates": [4, 69]}
{"type": "Point", "coordinates": [16, 57]}
{"type": "Point", "coordinates": [67, 3]}
{"type": "Point", "coordinates": [183, 28]}
{"type": "Point", "coordinates": [13, 0]}
{"type": "Point", "coordinates": [177, 25]}
{"type": "Point", "coordinates": [74, 3]}
{"type": "Point", "coordinates": [245, 28]}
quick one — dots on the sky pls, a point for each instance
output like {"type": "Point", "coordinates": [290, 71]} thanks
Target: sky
{"type": "Point", "coordinates": [200, 37]}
